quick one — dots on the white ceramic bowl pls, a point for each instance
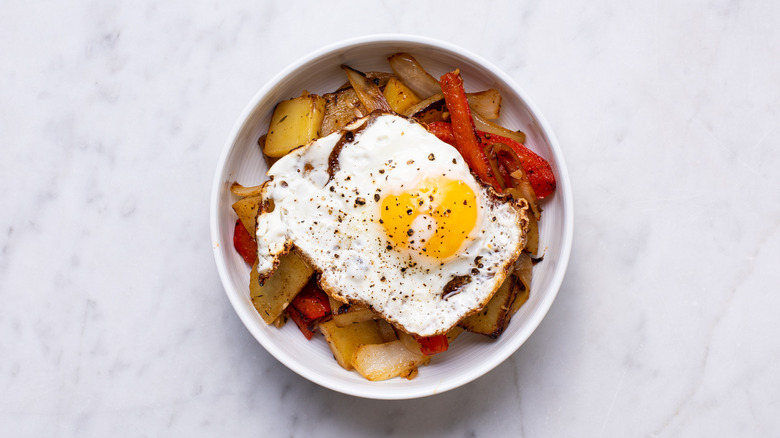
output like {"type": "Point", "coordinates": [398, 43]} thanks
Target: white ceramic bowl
{"type": "Point", "coordinates": [470, 356]}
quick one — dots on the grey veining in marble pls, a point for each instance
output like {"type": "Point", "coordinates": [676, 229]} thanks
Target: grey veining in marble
{"type": "Point", "coordinates": [112, 316]}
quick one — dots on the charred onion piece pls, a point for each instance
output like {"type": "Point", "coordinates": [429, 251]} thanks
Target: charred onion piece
{"type": "Point", "coordinates": [493, 161]}
{"type": "Point", "coordinates": [486, 103]}
{"type": "Point", "coordinates": [414, 109]}
{"type": "Point", "coordinates": [411, 73]}
{"type": "Point", "coordinates": [486, 125]}
{"type": "Point", "coordinates": [368, 92]}
{"type": "Point", "coordinates": [520, 186]}
{"type": "Point", "coordinates": [380, 78]}
{"type": "Point", "coordinates": [239, 190]}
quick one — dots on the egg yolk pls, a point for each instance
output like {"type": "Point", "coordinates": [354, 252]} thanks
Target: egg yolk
{"type": "Point", "coordinates": [434, 219]}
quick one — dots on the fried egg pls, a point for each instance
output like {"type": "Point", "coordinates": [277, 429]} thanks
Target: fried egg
{"type": "Point", "coordinates": [391, 217]}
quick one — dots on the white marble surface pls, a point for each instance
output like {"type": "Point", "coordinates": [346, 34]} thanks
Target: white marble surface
{"type": "Point", "coordinates": [112, 317]}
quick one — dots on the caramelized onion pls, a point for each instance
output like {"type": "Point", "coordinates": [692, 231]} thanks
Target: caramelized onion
{"type": "Point", "coordinates": [483, 124]}
{"type": "Point", "coordinates": [486, 103]}
{"type": "Point", "coordinates": [520, 186]}
{"type": "Point", "coordinates": [493, 161]}
{"type": "Point", "coordinates": [380, 78]}
{"type": "Point", "coordinates": [367, 91]}
{"type": "Point", "coordinates": [411, 73]}
{"type": "Point", "coordinates": [414, 109]}
{"type": "Point", "coordinates": [239, 190]}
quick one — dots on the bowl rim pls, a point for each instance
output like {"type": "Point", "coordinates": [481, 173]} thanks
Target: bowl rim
{"type": "Point", "coordinates": [533, 320]}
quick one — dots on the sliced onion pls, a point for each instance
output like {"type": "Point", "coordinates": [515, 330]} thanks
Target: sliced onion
{"type": "Point", "coordinates": [414, 109]}
{"type": "Point", "coordinates": [486, 103]}
{"type": "Point", "coordinates": [519, 186]}
{"type": "Point", "coordinates": [244, 192]}
{"type": "Point", "coordinates": [411, 73]}
{"type": "Point", "coordinates": [483, 124]}
{"type": "Point", "coordinates": [493, 161]}
{"type": "Point", "coordinates": [478, 102]}
{"type": "Point", "coordinates": [367, 91]}
{"type": "Point", "coordinates": [374, 76]}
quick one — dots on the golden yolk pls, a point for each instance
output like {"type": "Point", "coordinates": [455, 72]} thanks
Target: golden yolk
{"type": "Point", "coordinates": [451, 210]}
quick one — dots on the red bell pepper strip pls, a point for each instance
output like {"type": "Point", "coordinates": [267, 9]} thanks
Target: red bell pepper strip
{"type": "Point", "coordinates": [442, 130]}
{"type": "Point", "coordinates": [303, 325]}
{"type": "Point", "coordinates": [312, 302]}
{"type": "Point", "coordinates": [430, 345]}
{"type": "Point", "coordinates": [466, 140]}
{"type": "Point", "coordinates": [244, 243]}
{"type": "Point", "coordinates": [539, 171]}
{"type": "Point", "coordinates": [309, 306]}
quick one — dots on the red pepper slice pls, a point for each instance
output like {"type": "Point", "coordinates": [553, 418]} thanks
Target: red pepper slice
{"type": "Point", "coordinates": [442, 130]}
{"type": "Point", "coordinates": [539, 171]}
{"type": "Point", "coordinates": [466, 140]}
{"type": "Point", "coordinates": [430, 345]}
{"type": "Point", "coordinates": [244, 243]}
{"type": "Point", "coordinates": [311, 301]}
{"type": "Point", "coordinates": [302, 324]}
{"type": "Point", "coordinates": [309, 306]}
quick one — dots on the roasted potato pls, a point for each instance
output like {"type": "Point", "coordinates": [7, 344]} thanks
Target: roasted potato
{"type": "Point", "coordinates": [399, 96]}
{"type": "Point", "coordinates": [388, 360]}
{"type": "Point", "coordinates": [246, 209]}
{"type": "Point", "coordinates": [352, 315]}
{"type": "Point", "coordinates": [454, 333]}
{"type": "Point", "coordinates": [344, 341]}
{"type": "Point", "coordinates": [294, 122]}
{"type": "Point", "coordinates": [275, 294]}
{"type": "Point", "coordinates": [490, 321]}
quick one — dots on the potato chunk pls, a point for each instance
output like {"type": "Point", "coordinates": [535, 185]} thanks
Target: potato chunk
{"type": "Point", "coordinates": [294, 122]}
{"type": "Point", "coordinates": [343, 341]}
{"type": "Point", "coordinates": [353, 315]}
{"type": "Point", "coordinates": [388, 360]}
{"type": "Point", "coordinates": [399, 96]}
{"type": "Point", "coordinates": [246, 210]}
{"type": "Point", "coordinates": [272, 298]}
{"type": "Point", "coordinates": [490, 321]}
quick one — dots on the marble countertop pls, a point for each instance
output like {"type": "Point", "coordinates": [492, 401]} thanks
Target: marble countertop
{"type": "Point", "coordinates": [113, 319]}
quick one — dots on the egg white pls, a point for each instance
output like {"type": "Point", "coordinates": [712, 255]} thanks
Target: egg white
{"type": "Point", "coordinates": [332, 219]}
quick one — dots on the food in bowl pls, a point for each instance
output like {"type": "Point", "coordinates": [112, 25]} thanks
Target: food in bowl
{"type": "Point", "coordinates": [416, 224]}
